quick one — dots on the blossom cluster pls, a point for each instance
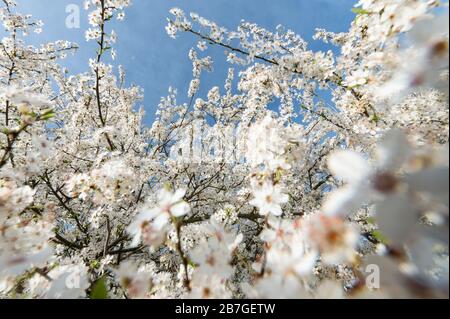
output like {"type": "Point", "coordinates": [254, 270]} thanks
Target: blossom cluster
{"type": "Point", "coordinates": [262, 188]}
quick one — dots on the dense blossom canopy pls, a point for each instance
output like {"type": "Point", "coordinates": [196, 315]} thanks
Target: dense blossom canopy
{"type": "Point", "coordinates": [262, 189]}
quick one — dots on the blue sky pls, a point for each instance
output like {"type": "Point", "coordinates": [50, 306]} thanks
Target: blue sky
{"type": "Point", "coordinates": [154, 61]}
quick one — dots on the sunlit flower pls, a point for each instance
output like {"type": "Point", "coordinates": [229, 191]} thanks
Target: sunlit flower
{"type": "Point", "coordinates": [269, 198]}
{"type": "Point", "coordinates": [150, 222]}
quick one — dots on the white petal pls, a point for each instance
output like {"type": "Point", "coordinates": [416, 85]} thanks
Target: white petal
{"type": "Point", "coordinates": [268, 235]}
{"type": "Point", "coordinates": [283, 199]}
{"type": "Point", "coordinates": [348, 166]}
{"type": "Point", "coordinates": [425, 258]}
{"type": "Point", "coordinates": [164, 196]}
{"type": "Point", "coordinates": [147, 214]}
{"type": "Point", "coordinates": [276, 210]}
{"type": "Point", "coordinates": [396, 217]}
{"type": "Point", "coordinates": [180, 209]}
{"type": "Point", "coordinates": [393, 150]}
{"type": "Point", "coordinates": [136, 238]}
{"type": "Point", "coordinates": [160, 221]}
{"type": "Point", "coordinates": [254, 202]}
{"type": "Point", "coordinates": [306, 265]}
{"type": "Point", "coordinates": [263, 210]}
{"type": "Point", "coordinates": [179, 194]}
{"type": "Point", "coordinates": [344, 201]}
{"type": "Point", "coordinates": [434, 181]}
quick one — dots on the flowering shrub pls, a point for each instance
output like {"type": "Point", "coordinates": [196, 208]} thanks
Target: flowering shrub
{"type": "Point", "coordinates": [260, 190]}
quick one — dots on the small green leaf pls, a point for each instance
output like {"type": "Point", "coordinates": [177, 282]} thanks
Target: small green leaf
{"type": "Point", "coordinates": [99, 290]}
{"type": "Point", "coordinates": [375, 118]}
{"type": "Point", "coordinates": [168, 186]}
{"type": "Point", "coordinates": [380, 237]}
{"type": "Point", "coordinates": [228, 211]}
{"type": "Point", "coordinates": [278, 175]}
{"type": "Point", "coordinates": [94, 264]}
{"type": "Point", "coordinates": [360, 11]}
{"type": "Point", "coordinates": [47, 114]}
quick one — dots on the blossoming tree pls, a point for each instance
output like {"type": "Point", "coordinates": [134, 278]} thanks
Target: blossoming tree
{"type": "Point", "coordinates": [262, 189]}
